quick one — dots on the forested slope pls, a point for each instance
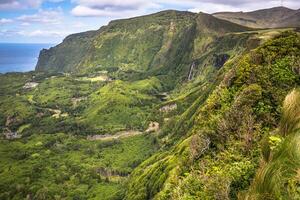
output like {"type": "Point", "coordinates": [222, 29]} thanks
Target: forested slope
{"type": "Point", "coordinates": [173, 105]}
{"type": "Point", "coordinates": [219, 153]}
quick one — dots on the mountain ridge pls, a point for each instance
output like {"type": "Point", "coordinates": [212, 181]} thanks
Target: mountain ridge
{"type": "Point", "coordinates": [171, 106]}
{"type": "Point", "coordinates": [276, 17]}
{"type": "Point", "coordinates": [167, 26]}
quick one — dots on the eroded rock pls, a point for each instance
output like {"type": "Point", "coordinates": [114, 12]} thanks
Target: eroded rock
{"type": "Point", "coordinates": [153, 127]}
{"type": "Point", "coordinates": [220, 60]}
{"type": "Point", "coordinates": [10, 135]}
{"type": "Point", "coordinates": [168, 108]}
{"type": "Point", "coordinates": [30, 85]}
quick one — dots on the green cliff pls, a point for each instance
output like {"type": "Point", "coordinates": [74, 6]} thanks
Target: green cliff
{"type": "Point", "coordinates": [173, 105]}
{"type": "Point", "coordinates": [159, 42]}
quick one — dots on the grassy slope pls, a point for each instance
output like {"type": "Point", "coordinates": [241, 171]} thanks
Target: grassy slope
{"type": "Point", "coordinates": [122, 105]}
{"type": "Point", "coordinates": [278, 175]}
{"type": "Point", "coordinates": [100, 113]}
{"type": "Point", "coordinates": [50, 161]}
{"type": "Point", "coordinates": [161, 42]}
{"type": "Point", "coordinates": [267, 18]}
{"type": "Point", "coordinates": [242, 110]}
{"type": "Point", "coordinates": [64, 166]}
{"type": "Point", "coordinates": [67, 54]}
{"type": "Point", "coordinates": [253, 84]}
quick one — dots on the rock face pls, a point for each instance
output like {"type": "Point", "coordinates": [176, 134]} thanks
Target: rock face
{"type": "Point", "coordinates": [168, 108]}
{"type": "Point", "coordinates": [66, 55]}
{"type": "Point", "coordinates": [139, 44]}
{"type": "Point", "coordinates": [279, 17]}
{"type": "Point", "coordinates": [9, 135]}
{"type": "Point", "coordinates": [219, 60]}
{"type": "Point", "coordinates": [30, 85]}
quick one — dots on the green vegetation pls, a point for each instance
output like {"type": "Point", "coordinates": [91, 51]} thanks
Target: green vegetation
{"type": "Point", "coordinates": [159, 43]}
{"type": "Point", "coordinates": [121, 105]}
{"type": "Point", "coordinates": [54, 159]}
{"type": "Point", "coordinates": [213, 91]}
{"type": "Point", "coordinates": [265, 18]}
{"type": "Point", "coordinates": [222, 156]}
{"type": "Point", "coordinates": [278, 175]}
{"type": "Point", "coordinates": [59, 166]}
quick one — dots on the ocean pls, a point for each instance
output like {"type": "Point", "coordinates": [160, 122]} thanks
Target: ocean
{"type": "Point", "coordinates": [19, 57]}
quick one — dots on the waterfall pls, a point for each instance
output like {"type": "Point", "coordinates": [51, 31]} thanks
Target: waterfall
{"type": "Point", "coordinates": [191, 71]}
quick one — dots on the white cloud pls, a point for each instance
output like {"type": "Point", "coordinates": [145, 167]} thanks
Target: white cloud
{"type": "Point", "coordinates": [25, 24]}
{"type": "Point", "coordinates": [111, 8]}
{"type": "Point", "coordinates": [126, 8]}
{"type": "Point", "coordinates": [85, 11]}
{"type": "Point", "coordinates": [5, 21]}
{"type": "Point", "coordinates": [129, 4]}
{"type": "Point", "coordinates": [211, 6]}
{"type": "Point", "coordinates": [56, 1]}
{"type": "Point", "coordinates": [23, 4]}
{"type": "Point", "coordinates": [234, 3]}
{"type": "Point", "coordinates": [9, 33]}
{"type": "Point", "coordinates": [43, 16]}
{"type": "Point", "coordinates": [44, 33]}
{"type": "Point", "coordinates": [19, 4]}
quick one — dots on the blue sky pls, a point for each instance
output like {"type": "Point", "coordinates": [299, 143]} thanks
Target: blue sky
{"type": "Point", "coordinates": [49, 21]}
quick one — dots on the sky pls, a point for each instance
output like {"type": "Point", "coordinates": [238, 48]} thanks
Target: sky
{"type": "Point", "coordinates": [49, 21]}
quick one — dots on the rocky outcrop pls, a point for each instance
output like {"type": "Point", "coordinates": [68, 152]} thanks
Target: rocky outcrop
{"type": "Point", "coordinates": [168, 108]}
{"type": "Point", "coordinates": [30, 85]}
{"type": "Point", "coordinates": [65, 56]}
{"type": "Point", "coordinates": [10, 135]}
{"type": "Point", "coordinates": [219, 60]}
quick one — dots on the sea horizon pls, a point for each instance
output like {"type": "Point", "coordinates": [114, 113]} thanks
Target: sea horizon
{"type": "Point", "coordinates": [20, 57]}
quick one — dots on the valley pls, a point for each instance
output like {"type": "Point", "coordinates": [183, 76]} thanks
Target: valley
{"type": "Point", "coordinates": [173, 105]}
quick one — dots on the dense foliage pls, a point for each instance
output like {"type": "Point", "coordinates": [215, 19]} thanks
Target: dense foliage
{"type": "Point", "coordinates": [173, 105]}
{"type": "Point", "coordinates": [221, 152]}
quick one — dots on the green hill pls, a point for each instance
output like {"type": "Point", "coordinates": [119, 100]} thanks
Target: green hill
{"type": "Point", "coordinates": [160, 41]}
{"type": "Point", "coordinates": [173, 105]}
{"type": "Point", "coordinates": [218, 152]}
{"type": "Point", "coordinates": [278, 17]}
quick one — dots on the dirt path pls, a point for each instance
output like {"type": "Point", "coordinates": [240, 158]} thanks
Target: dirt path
{"type": "Point", "coordinates": [122, 134]}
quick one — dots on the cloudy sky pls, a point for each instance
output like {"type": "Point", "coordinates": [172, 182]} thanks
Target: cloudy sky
{"type": "Point", "coordinates": [49, 21]}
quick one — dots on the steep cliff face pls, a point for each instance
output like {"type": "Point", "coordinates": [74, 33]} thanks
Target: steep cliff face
{"type": "Point", "coordinates": [66, 55]}
{"type": "Point", "coordinates": [173, 105]}
{"type": "Point", "coordinates": [165, 40]}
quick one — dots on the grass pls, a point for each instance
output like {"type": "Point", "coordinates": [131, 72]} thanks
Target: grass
{"type": "Point", "coordinates": [121, 105]}
{"type": "Point", "coordinates": [238, 113]}
{"type": "Point", "coordinates": [210, 146]}
{"type": "Point", "coordinates": [47, 164]}
{"type": "Point", "coordinates": [277, 178]}
{"type": "Point", "coordinates": [290, 121]}
{"type": "Point", "coordinates": [58, 92]}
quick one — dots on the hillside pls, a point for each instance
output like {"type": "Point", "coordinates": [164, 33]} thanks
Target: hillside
{"type": "Point", "coordinates": [168, 106]}
{"type": "Point", "coordinates": [278, 17]}
{"type": "Point", "coordinates": [157, 42]}
{"type": "Point", "coordinates": [219, 140]}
